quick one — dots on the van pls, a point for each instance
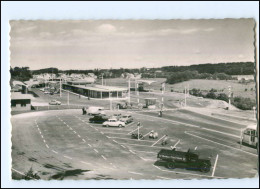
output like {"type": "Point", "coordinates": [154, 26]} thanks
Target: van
{"type": "Point", "coordinates": [250, 136]}
{"type": "Point", "coordinates": [93, 110]}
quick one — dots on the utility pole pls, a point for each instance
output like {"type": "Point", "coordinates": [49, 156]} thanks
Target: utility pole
{"type": "Point", "coordinates": [185, 96]}
{"type": "Point", "coordinates": [229, 97]}
{"type": "Point", "coordinates": [129, 83]}
{"type": "Point", "coordinates": [137, 93]}
{"type": "Point", "coordinates": [110, 100]}
{"type": "Point", "coordinates": [60, 87]}
{"type": "Point", "coordinates": [163, 88]}
{"type": "Point", "coordinates": [188, 90]}
{"type": "Point", "coordinates": [102, 78]}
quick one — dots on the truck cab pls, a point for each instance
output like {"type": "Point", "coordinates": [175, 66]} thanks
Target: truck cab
{"type": "Point", "coordinates": [188, 160]}
{"type": "Point", "coordinates": [250, 136]}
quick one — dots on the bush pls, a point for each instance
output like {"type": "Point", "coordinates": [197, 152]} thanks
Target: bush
{"type": "Point", "coordinates": [222, 96]}
{"type": "Point", "coordinates": [211, 95]}
{"type": "Point", "coordinates": [243, 103]}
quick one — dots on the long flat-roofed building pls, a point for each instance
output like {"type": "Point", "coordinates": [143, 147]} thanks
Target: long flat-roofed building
{"type": "Point", "coordinates": [97, 91]}
{"type": "Point", "coordinates": [20, 102]}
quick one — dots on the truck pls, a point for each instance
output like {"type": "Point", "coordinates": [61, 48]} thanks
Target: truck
{"type": "Point", "coordinates": [250, 136]}
{"type": "Point", "coordinates": [172, 159]}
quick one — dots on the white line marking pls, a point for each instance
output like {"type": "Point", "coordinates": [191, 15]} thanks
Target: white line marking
{"type": "Point", "coordinates": [146, 152]}
{"type": "Point", "coordinates": [132, 152]}
{"type": "Point", "coordinates": [159, 140]}
{"type": "Point", "coordinates": [195, 148]}
{"type": "Point", "coordinates": [144, 145]}
{"type": "Point", "coordinates": [102, 133]}
{"type": "Point", "coordinates": [184, 173]}
{"type": "Point", "coordinates": [89, 145]}
{"type": "Point", "coordinates": [83, 140]}
{"type": "Point", "coordinates": [116, 133]}
{"type": "Point", "coordinates": [146, 134]}
{"type": "Point", "coordinates": [215, 165]}
{"type": "Point", "coordinates": [104, 157]}
{"type": "Point", "coordinates": [220, 144]}
{"type": "Point", "coordinates": [44, 141]}
{"type": "Point", "coordinates": [22, 174]}
{"type": "Point", "coordinates": [115, 141]}
{"type": "Point", "coordinates": [79, 136]}
{"type": "Point", "coordinates": [41, 136]}
{"type": "Point", "coordinates": [235, 136]}
{"type": "Point", "coordinates": [71, 128]}
{"type": "Point", "coordinates": [85, 163]}
{"type": "Point", "coordinates": [135, 173]}
{"type": "Point", "coordinates": [164, 178]}
{"type": "Point", "coordinates": [95, 150]}
{"type": "Point", "coordinates": [47, 146]}
{"type": "Point", "coordinates": [134, 130]}
{"type": "Point", "coordinates": [55, 152]}
{"type": "Point", "coordinates": [75, 132]}
{"type": "Point", "coordinates": [123, 146]}
{"type": "Point", "coordinates": [40, 132]}
{"type": "Point", "coordinates": [130, 124]}
{"type": "Point", "coordinates": [176, 144]}
{"type": "Point", "coordinates": [67, 157]}
{"type": "Point", "coordinates": [133, 139]}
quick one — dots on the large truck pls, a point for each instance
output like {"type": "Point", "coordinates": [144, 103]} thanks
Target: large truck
{"type": "Point", "coordinates": [188, 160]}
{"type": "Point", "coordinates": [250, 135]}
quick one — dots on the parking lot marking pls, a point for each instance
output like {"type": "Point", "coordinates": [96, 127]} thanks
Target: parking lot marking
{"type": "Point", "coordinates": [215, 165]}
{"type": "Point", "coordinates": [104, 157]}
{"type": "Point", "coordinates": [131, 124]}
{"type": "Point", "coordinates": [85, 163]}
{"type": "Point", "coordinates": [123, 146]}
{"type": "Point", "coordinates": [47, 146]}
{"type": "Point", "coordinates": [116, 133]}
{"type": "Point", "coordinates": [55, 152]}
{"type": "Point", "coordinates": [159, 140]}
{"type": "Point", "coordinates": [75, 132]}
{"type": "Point", "coordinates": [135, 130]}
{"type": "Point", "coordinates": [221, 144]}
{"type": "Point", "coordinates": [176, 172]}
{"type": "Point", "coordinates": [132, 139]}
{"type": "Point", "coordinates": [83, 140]}
{"type": "Point", "coordinates": [22, 173]}
{"type": "Point", "coordinates": [79, 136]}
{"type": "Point", "coordinates": [115, 141]}
{"type": "Point", "coordinates": [146, 134]}
{"type": "Point", "coordinates": [67, 157]}
{"type": "Point", "coordinates": [135, 173]}
{"type": "Point", "coordinates": [95, 150]}
{"type": "Point", "coordinates": [101, 132]}
{"type": "Point", "coordinates": [89, 145]}
{"type": "Point", "coordinates": [132, 152]}
{"type": "Point", "coordinates": [175, 144]}
{"type": "Point", "coordinates": [44, 141]}
{"type": "Point", "coordinates": [145, 152]}
{"type": "Point", "coordinates": [164, 178]}
{"type": "Point", "coordinates": [195, 148]}
{"type": "Point", "coordinates": [235, 136]}
{"type": "Point", "coordinates": [42, 136]}
{"type": "Point", "coordinates": [144, 145]}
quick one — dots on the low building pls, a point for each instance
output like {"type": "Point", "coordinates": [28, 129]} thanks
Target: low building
{"type": "Point", "coordinates": [97, 91]}
{"type": "Point", "coordinates": [20, 102]}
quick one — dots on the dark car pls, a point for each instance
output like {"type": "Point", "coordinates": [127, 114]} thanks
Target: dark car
{"type": "Point", "coordinates": [187, 160]}
{"type": "Point", "coordinates": [98, 119]}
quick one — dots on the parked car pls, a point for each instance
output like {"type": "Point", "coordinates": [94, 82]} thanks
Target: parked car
{"type": "Point", "coordinates": [46, 92]}
{"type": "Point", "coordinates": [98, 119]}
{"type": "Point", "coordinates": [113, 123]}
{"type": "Point", "coordinates": [116, 116]}
{"type": "Point", "coordinates": [93, 110]}
{"type": "Point", "coordinates": [187, 160]}
{"type": "Point", "coordinates": [127, 119]}
{"type": "Point", "coordinates": [55, 102]}
{"type": "Point", "coordinates": [135, 136]}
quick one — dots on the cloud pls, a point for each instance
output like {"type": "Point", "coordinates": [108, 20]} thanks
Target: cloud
{"type": "Point", "coordinates": [106, 28]}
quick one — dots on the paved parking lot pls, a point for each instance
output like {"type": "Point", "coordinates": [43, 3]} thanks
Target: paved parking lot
{"type": "Point", "coordinates": [59, 140]}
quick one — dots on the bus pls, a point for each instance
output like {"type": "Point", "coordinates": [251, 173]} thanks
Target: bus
{"type": "Point", "coordinates": [250, 135]}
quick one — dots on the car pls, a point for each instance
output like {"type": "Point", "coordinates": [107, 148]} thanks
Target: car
{"type": "Point", "coordinates": [113, 123]}
{"type": "Point", "coordinates": [93, 110]}
{"type": "Point", "coordinates": [127, 119]}
{"type": "Point", "coordinates": [98, 119]}
{"type": "Point", "coordinates": [188, 160]}
{"type": "Point", "coordinates": [46, 92]}
{"type": "Point", "coordinates": [116, 116]}
{"type": "Point", "coordinates": [55, 102]}
{"type": "Point", "coordinates": [135, 136]}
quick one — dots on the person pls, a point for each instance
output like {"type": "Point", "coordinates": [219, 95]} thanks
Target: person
{"type": "Point", "coordinates": [151, 135]}
{"type": "Point", "coordinates": [83, 110]}
{"type": "Point", "coordinates": [165, 140]}
{"type": "Point", "coordinates": [138, 124]}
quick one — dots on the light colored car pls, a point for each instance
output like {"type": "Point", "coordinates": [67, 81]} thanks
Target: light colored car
{"type": "Point", "coordinates": [55, 102]}
{"type": "Point", "coordinates": [93, 110]}
{"type": "Point", "coordinates": [113, 123]}
{"type": "Point", "coordinates": [127, 118]}
{"type": "Point", "coordinates": [46, 92]}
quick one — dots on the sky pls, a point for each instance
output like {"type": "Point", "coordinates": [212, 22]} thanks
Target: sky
{"type": "Point", "coordinates": [104, 44]}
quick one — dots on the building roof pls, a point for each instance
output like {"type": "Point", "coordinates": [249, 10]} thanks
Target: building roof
{"type": "Point", "coordinates": [149, 82]}
{"type": "Point", "coordinates": [101, 88]}
{"type": "Point", "coordinates": [20, 96]}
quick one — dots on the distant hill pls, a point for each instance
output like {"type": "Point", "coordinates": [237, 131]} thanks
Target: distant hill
{"type": "Point", "coordinates": [235, 68]}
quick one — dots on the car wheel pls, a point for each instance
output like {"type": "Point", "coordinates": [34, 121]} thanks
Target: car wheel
{"type": "Point", "coordinates": [119, 125]}
{"type": "Point", "coordinates": [204, 168]}
{"type": "Point", "coordinates": [107, 125]}
{"type": "Point", "coordinates": [170, 165]}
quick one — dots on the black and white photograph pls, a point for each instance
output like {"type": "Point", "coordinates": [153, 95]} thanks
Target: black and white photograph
{"type": "Point", "coordinates": [133, 99]}
{"type": "Point", "coordinates": [140, 96]}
